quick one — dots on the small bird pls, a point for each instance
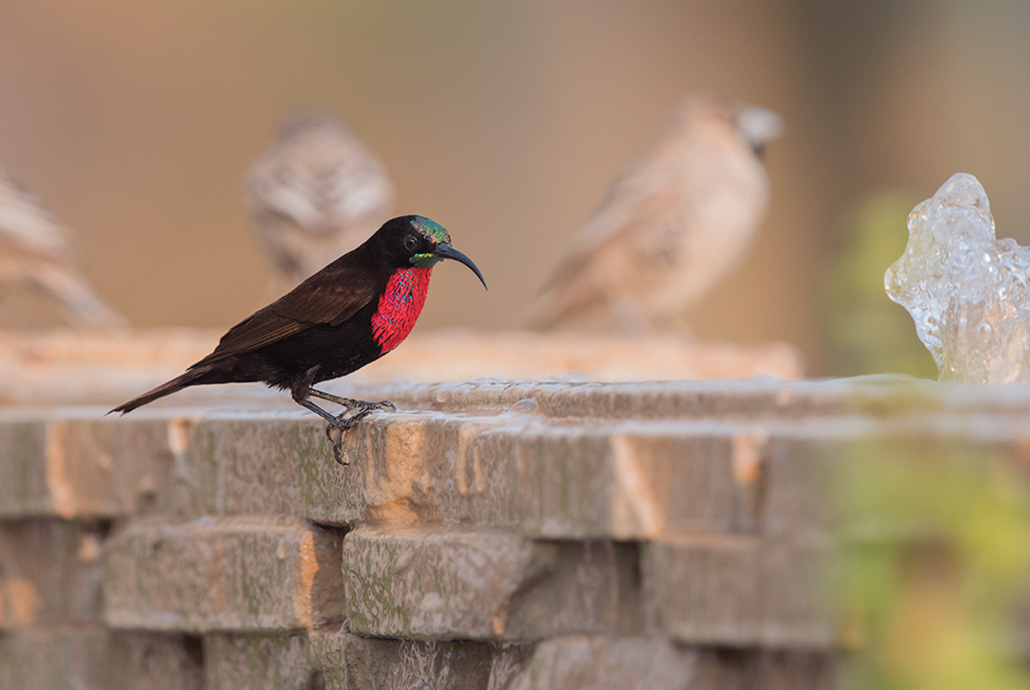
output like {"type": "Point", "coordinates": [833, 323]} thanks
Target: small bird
{"type": "Point", "coordinates": [316, 193]}
{"type": "Point", "coordinates": [36, 252]}
{"type": "Point", "coordinates": [347, 315]}
{"type": "Point", "coordinates": [672, 224]}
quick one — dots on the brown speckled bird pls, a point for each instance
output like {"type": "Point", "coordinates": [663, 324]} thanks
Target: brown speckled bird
{"type": "Point", "coordinates": [672, 224]}
{"type": "Point", "coordinates": [36, 253]}
{"type": "Point", "coordinates": [316, 193]}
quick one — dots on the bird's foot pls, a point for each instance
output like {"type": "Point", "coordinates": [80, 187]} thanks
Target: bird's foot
{"type": "Point", "coordinates": [342, 422]}
{"type": "Point", "coordinates": [351, 403]}
{"type": "Point", "coordinates": [368, 406]}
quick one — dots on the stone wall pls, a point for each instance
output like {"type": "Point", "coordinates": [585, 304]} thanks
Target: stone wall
{"type": "Point", "coordinates": [486, 535]}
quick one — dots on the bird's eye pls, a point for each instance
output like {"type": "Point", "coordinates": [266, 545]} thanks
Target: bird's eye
{"type": "Point", "coordinates": [410, 242]}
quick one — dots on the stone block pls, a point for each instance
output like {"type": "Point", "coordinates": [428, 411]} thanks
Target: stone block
{"type": "Point", "coordinates": [705, 589]}
{"type": "Point", "coordinates": [410, 468]}
{"type": "Point", "coordinates": [757, 669]}
{"type": "Point", "coordinates": [49, 659]}
{"type": "Point", "coordinates": [798, 609]}
{"type": "Point", "coordinates": [87, 467]}
{"type": "Point", "coordinates": [264, 463]}
{"type": "Point", "coordinates": [256, 662]}
{"type": "Point", "coordinates": [638, 480]}
{"type": "Point", "coordinates": [137, 660]}
{"type": "Point", "coordinates": [405, 468]}
{"type": "Point", "coordinates": [480, 585]}
{"type": "Point", "coordinates": [349, 662]}
{"type": "Point", "coordinates": [247, 574]}
{"type": "Point", "coordinates": [739, 590]}
{"type": "Point", "coordinates": [800, 485]}
{"type": "Point", "coordinates": [58, 658]}
{"type": "Point", "coordinates": [50, 572]}
{"type": "Point", "coordinates": [600, 663]}
{"type": "Point", "coordinates": [634, 480]}
{"type": "Point", "coordinates": [24, 489]}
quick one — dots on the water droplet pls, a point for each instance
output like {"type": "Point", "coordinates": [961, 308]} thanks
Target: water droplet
{"type": "Point", "coordinates": [968, 292]}
{"type": "Point", "coordinates": [526, 405]}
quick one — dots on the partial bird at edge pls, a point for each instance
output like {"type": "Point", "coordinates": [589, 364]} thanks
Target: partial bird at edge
{"type": "Point", "coordinates": [36, 253]}
{"type": "Point", "coordinates": [674, 222]}
{"type": "Point", "coordinates": [316, 192]}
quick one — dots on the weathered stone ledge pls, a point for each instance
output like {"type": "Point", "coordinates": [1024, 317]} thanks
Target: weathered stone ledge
{"type": "Point", "coordinates": [487, 535]}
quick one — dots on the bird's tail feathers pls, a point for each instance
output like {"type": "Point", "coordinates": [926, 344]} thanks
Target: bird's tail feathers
{"type": "Point", "coordinates": [178, 383]}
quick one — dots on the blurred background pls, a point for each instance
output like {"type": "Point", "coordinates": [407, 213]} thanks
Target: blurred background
{"type": "Point", "coordinates": [505, 122]}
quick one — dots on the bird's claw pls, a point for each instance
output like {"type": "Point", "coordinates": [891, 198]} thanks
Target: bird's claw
{"type": "Point", "coordinates": [334, 432]}
{"type": "Point", "coordinates": [342, 423]}
{"type": "Point", "coordinates": [337, 442]}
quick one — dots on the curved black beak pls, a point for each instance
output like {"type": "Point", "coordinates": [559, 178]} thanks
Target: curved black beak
{"type": "Point", "coordinates": [446, 251]}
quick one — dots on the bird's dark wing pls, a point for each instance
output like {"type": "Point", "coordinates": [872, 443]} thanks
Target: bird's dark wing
{"type": "Point", "coordinates": [329, 297]}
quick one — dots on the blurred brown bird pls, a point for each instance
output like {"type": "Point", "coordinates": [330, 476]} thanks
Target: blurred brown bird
{"type": "Point", "coordinates": [36, 252]}
{"type": "Point", "coordinates": [674, 222]}
{"type": "Point", "coordinates": [316, 193]}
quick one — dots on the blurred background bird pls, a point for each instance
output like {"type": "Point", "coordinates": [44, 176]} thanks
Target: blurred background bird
{"type": "Point", "coordinates": [673, 223]}
{"type": "Point", "coordinates": [316, 193]}
{"type": "Point", "coordinates": [36, 253]}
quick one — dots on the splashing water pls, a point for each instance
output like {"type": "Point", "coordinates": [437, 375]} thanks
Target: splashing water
{"type": "Point", "coordinates": [966, 290]}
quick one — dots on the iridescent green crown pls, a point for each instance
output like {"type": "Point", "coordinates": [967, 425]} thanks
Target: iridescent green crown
{"type": "Point", "coordinates": [430, 230]}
